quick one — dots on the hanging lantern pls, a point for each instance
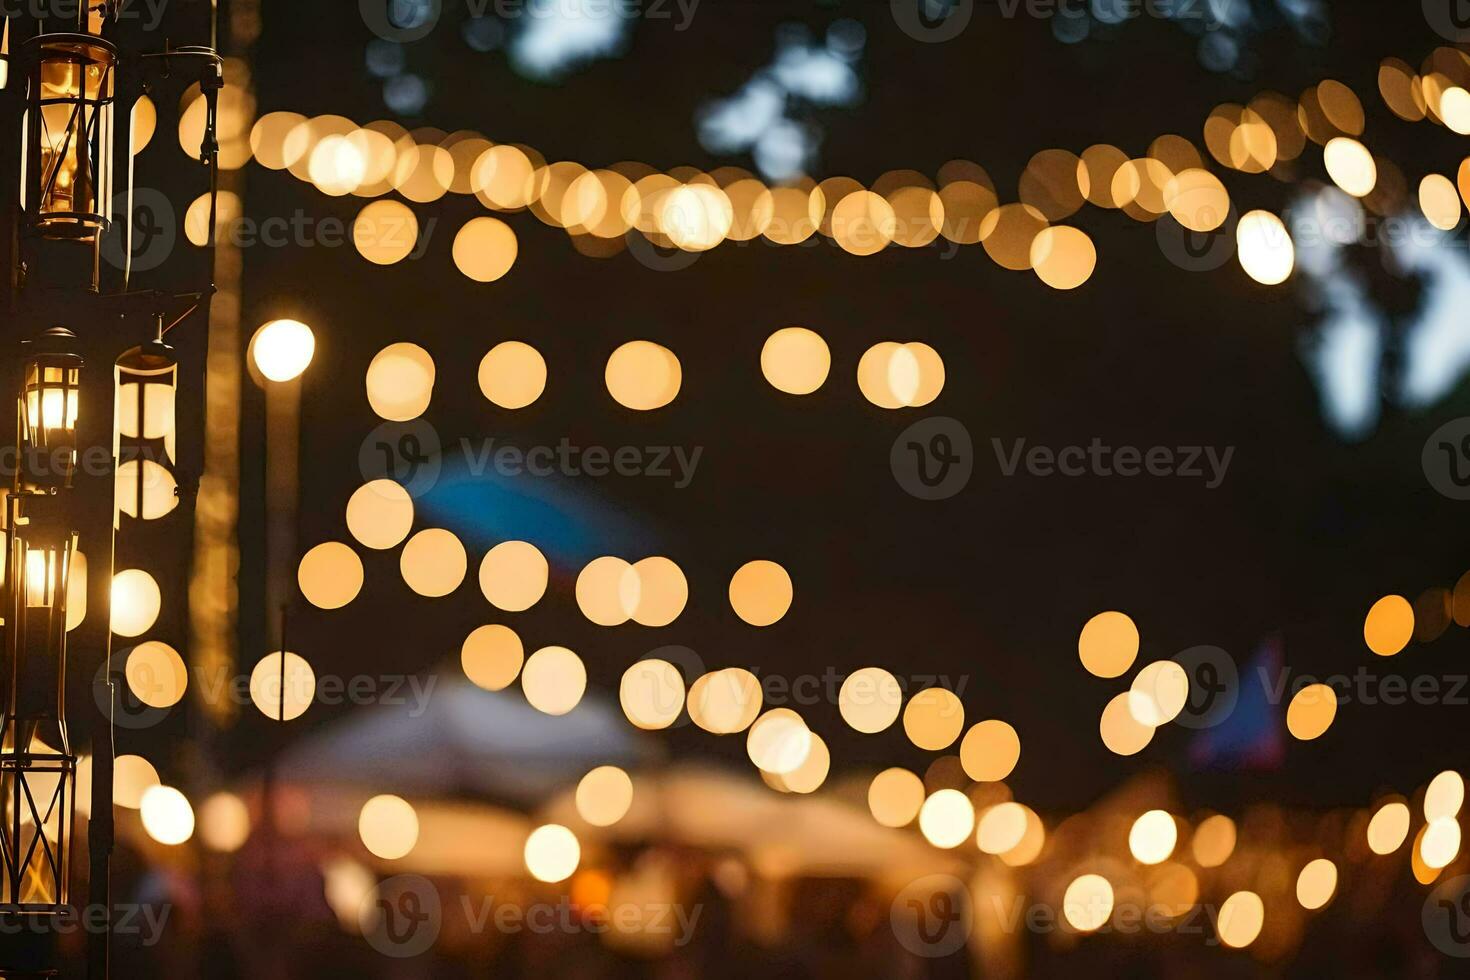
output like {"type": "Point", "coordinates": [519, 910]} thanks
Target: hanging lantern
{"type": "Point", "coordinates": [147, 383]}
{"type": "Point", "coordinates": [37, 767]}
{"type": "Point", "coordinates": [67, 133]}
{"type": "Point", "coordinates": [49, 403]}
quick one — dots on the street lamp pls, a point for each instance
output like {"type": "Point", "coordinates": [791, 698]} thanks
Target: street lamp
{"type": "Point", "coordinates": [37, 766]}
{"type": "Point", "coordinates": [49, 403]}
{"type": "Point", "coordinates": [147, 389]}
{"type": "Point", "coordinates": [66, 173]}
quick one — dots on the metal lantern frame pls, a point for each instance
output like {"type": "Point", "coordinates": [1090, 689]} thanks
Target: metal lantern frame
{"type": "Point", "coordinates": [146, 374]}
{"type": "Point", "coordinates": [67, 135]}
{"type": "Point", "coordinates": [51, 387]}
{"type": "Point", "coordinates": [38, 768]}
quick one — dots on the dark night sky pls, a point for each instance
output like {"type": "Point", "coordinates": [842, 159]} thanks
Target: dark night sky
{"type": "Point", "coordinates": [992, 585]}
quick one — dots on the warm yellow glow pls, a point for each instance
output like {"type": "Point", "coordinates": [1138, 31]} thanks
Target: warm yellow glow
{"type": "Point", "coordinates": [761, 592]}
{"type": "Point", "coordinates": [1444, 796]}
{"type": "Point", "coordinates": [492, 656]}
{"type": "Point", "coordinates": [224, 823]}
{"type": "Point", "coordinates": [132, 775]}
{"type": "Point", "coordinates": [1214, 841]}
{"type": "Point", "coordinates": [156, 674]}
{"type": "Point", "coordinates": [513, 576]}
{"type": "Point", "coordinates": [1120, 731]}
{"type": "Point", "coordinates": [863, 223]}
{"type": "Point", "coordinates": [1388, 828]}
{"type": "Point", "coordinates": [513, 374]}
{"type": "Point", "coordinates": [1197, 200]}
{"type": "Point", "coordinates": [933, 719]}
{"type": "Point", "coordinates": [795, 360]}
{"type": "Point", "coordinates": [608, 591]}
{"type": "Point", "coordinates": [1440, 843]}
{"type": "Point", "coordinates": [388, 826]}
{"type": "Point", "coordinates": [76, 587]}
{"type": "Point", "coordinates": [380, 514]}
{"type": "Point", "coordinates": [695, 217]}
{"type": "Point", "coordinates": [1351, 166]}
{"type": "Point", "coordinates": [1088, 903]}
{"type": "Point", "coordinates": [652, 694]}
{"type": "Point", "coordinates": [337, 166]}
{"type": "Point", "coordinates": [1454, 109]}
{"type": "Point", "coordinates": [1311, 712]}
{"type": "Point", "coordinates": [1063, 257]}
{"type": "Point", "coordinates": [554, 680]}
{"type": "Point", "coordinates": [811, 774]}
{"type": "Point", "coordinates": [778, 742]}
{"type": "Point", "coordinates": [947, 818]}
{"type": "Point", "coordinates": [1152, 838]}
{"type": "Point", "coordinates": [330, 575]}
{"type": "Point", "coordinates": [145, 123]}
{"type": "Point", "coordinates": [990, 751]}
{"type": "Point", "coordinates": [552, 853]}
{"type": "Point", "coordinates": [422, 173]}
{"type": "Point", "coordinates": [282, 349]}
{"type": "Point", "coordinates": [1002, 828]}
{"type": "Point", "coordinates": [271, 139]}
{"type": "Point", "coordinates": [604, 796]}
{"type": "Point", "coordinates": [1108, 644]}
{"type": "Point", "coordinates": [385, 232]}
{"type": "Point", "coordinates": [400, 382]}
{"type": "Point", "coordinates": [1389, 626]}
{"type": "Point", "coordinates": [1031, 844]}
{"type": "Point", "coordinates": [643, 376]}
{"type": "Point", "coordinates": [159, 489]}
{"type": "Point", "coordinates": [433, 562]}
{"type": "Point", "coordinates": [725, 702]}
{"type": "Point", "coordinates": [1008, 232]}
{"type": "Point", "coordinates": [282, 693]}
{"type": "Point", "coordinates": [1265, 248]}
{"type": "Point", "coordinates": [1241, 917]}
{"type": "Point", "coordinates": [485, 249]}
{"type": "Point", "coordinates": [662, 591]}
{"type": "Point", "coordinates": [136, 602]}
{"type": "Point", "coordinates": [1440, 202]}
{"type": "Point", "coordinates": [893, 375]}
{"type": "Point", "coordinates": [167, 816]}
{"type": "Point", "coordinates": [870, 700]}
{"type": "Point", "coordinates": [1158, 693]}
{"type": "Point", "coordinates": [895, 796]}
{"type": "Point", "coordinates": [504, 178]}
{"type": "Point", "coordinates": [1316, 884]}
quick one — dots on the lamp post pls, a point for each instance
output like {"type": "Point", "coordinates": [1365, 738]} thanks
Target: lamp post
{"type": "Point", "coordinates": [84, 388]}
